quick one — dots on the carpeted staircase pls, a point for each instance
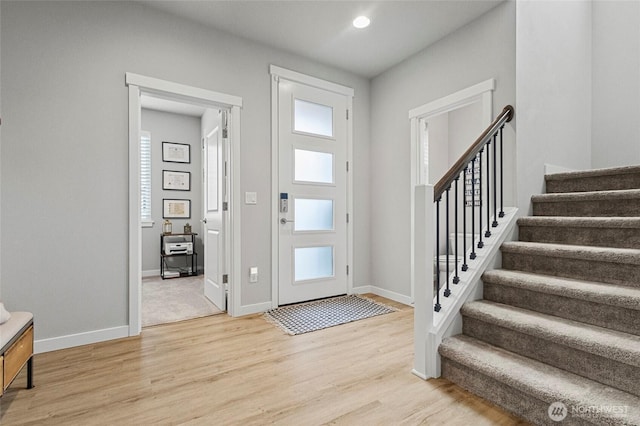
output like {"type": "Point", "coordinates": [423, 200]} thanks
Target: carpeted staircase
{"type": "Point", "coordinates": [561, 321]}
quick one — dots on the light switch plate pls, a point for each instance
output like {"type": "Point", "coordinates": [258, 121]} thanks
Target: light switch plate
{"type": "Point", "coordinates": [251, 198]}
{"type": "Point", "coordinates": [253, 274]}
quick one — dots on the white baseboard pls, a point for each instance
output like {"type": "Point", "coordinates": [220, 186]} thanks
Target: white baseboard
{"type": "Point", "coordinates": [396, 297]}
{"type": "Point", "coordinates": [151, 273]}
{"type": "Point", "coordinates": [80, 339]}
{"type": "Point", "coordinates": [419, 374]}
{"type": "Point", "coordinates": [253, 309]}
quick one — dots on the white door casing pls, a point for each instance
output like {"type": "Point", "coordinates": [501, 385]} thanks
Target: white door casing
{"type": "Point", "coordinates": [138, 84]}
{"type": "Point", "coordinates": [313, 235]}
{"type": "Point", "coordinates": [481, 92]}
{"type": "Point", "coordinates": [215, 206]}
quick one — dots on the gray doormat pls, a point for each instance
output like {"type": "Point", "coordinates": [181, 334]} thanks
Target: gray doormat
{"type": "Point", "coordinates": [319, 314]}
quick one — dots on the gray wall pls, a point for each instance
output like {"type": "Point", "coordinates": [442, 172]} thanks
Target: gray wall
{"type": "Point", "coordinates": [465, 126]}
{"type": "Point", "coordinates": [616, 83]}
{"type": "Point", "coordinates": [0, 147]}
{"type": "Point", "coordinates": [553, 91]}
{"type": "Point", "coordinates": [482, 50]}
{"type": "Point", "coordinates": [168, 127]}
{"type": "Point", "coordinates": [65, 149]}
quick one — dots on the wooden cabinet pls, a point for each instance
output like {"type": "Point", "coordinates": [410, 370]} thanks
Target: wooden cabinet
{"type": "Point", "coordinates": [16, 349]}
{"type": "Point", "coordinates": [17, 356]}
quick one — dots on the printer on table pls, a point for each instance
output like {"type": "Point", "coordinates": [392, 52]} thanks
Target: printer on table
{"type": "Point", "coordinates": [177, 245]}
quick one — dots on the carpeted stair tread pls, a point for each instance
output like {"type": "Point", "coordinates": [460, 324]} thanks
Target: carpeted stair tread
{"type": "Point", "coordinates": [601, 254]}
{"type": "Point", "coordinates": [581, 222]}
{"type": "Point", "coordinates": [605, 171]}
{"type": "Point", "coordinates": [592, 203]}
{"type": "Point", "coordinates": [607, 294]}
{"type": "Point", "coordinates": [540, 381]}
{"type": "Point", "coordinates": [564, 197]}
{"type": "Point", "coordinates": [623, 232]}
{"type": "Point", "coordinates": [622, 347]}
{"type": "Point", "coordinates": [591, 180]}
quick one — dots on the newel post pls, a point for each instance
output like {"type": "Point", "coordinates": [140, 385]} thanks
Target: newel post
{"type": "Point", "coordinates": [422, 264]}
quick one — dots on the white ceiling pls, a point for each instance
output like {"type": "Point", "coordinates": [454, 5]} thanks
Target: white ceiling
{"type": "Point", "coordinates": [322, 30]}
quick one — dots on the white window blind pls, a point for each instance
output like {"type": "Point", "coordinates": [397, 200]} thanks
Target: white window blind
{"type": "Point", "coordinates": [145, 176]}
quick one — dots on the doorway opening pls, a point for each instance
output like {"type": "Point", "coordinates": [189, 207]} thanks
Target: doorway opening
{"type": "Point", "coordinates": [211, 105]}
{"type": "Point", "coordinates": [172, 161]}
{"type": "Point", "coordinates": [440, 132]}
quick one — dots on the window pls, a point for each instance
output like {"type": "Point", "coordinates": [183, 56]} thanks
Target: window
{"type": "Point", "coordinates": [145, 179]}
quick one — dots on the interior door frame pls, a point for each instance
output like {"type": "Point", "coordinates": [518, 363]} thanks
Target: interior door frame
{"type": "Point", "coordinates": [481, 92]}
{"type": "Point", "coordinates": [276, 74]}
{"type": "Point", "coordinates": [137, 85]}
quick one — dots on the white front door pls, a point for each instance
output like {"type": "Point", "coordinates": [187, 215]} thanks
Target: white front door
{"type": "Point", "coordinates": [312, 219]}
{"type": "Point", "coordinates": [215, 199]}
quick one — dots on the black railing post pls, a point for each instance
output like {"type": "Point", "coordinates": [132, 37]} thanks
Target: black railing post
{"type": "Point", "coordinates": [480, 243]}
{"type": "Point", "coordinates": [447, 290]}
{"type": "Point", "coordinates": [437, 306]}
{"type": "Point", "coordinates": [473, 209]}
{"type": "Point", "coordinates": [501, 176]}
{"type": "Point", "coordinates": [495, 193]}
{"type": "Point", "coordinates": [487, 233]}
{"type": "Point", "coordinates": [456, 278]}
{"type": "Point", "coordinates": [464, 219]}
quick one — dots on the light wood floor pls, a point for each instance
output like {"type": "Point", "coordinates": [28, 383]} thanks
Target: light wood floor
{"type": "Point", "coordinates": [220, 370]}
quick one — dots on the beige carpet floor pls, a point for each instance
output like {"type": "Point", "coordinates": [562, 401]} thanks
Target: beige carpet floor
{"type": "Point", "coordinates": [172, 300]}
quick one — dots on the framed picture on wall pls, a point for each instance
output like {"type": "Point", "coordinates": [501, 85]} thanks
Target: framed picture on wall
{"type": "Point", "coordinates": [176, 152]}
{"type": "Point", "coordinates": [176, 208]}
{"type": "Point", "coordinates": [173, 180]}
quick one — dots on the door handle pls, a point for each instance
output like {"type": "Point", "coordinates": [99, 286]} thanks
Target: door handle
{"type": "Point", "coordinates": [204, 220]}
{"type": "Point", "coordinates": [284, 221]}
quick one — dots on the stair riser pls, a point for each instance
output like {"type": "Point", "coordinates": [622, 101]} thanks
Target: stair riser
{"type": "Point", "coordinates": [595, 208]}
{"type": "Point", "coordinates": [611, 317]}
{"type": "Point", "coordinates": [595, 183]}
{"type": "Point", "coordinates": [590, 270]}
{"type": "Point", "coordinates": [607, 371]}
{"type": "Point", "coordinates": [599, 237]}
{"type": "Point", "coordinates": [511, 399]}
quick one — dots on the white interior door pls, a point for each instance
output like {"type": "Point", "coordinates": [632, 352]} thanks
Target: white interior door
{"type": "Point", "coordinates": [215, 212]}
{"type": "Point", "coordinates": [312, 158]}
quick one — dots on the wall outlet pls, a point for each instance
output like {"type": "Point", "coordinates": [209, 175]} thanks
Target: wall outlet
{"type": "Point", "coordinates": [253, 274]}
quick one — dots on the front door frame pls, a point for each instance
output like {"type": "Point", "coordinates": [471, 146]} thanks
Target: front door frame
{"type": "Point", "coordinates": [276, 74]}
{"type": "Point", "coordinates": [138, 84]}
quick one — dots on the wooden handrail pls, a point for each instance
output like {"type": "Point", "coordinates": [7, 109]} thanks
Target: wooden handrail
{"type": "Point", "coordinates": [505, 116]}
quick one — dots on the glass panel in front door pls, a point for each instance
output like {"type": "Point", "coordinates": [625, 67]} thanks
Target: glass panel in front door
{"type": "Point", "coordinates": [313, 262]}
{"type": "Point", "coordinates": [313, 166]}
{"type": "Point", "coordinates": [316, 119]}
{"type": "Point", "coordinates": [313, 215]}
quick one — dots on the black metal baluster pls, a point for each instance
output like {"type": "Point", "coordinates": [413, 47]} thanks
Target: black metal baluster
{"type": "Point", "coordinates": [487, 233]}
{"type": "Point", "coordinates": [437, 306]}
{"type": "Point", "coordinates": [480, 243]}
{"type": "Point", "coordinates": [464, 220]}
{"type": "Point", "coordinates": [495, 193]}
{"type": "Point", "coordinates": [501, 176]}
{"type": "Point", "coordinates": [447, 290]}
{"type": "Point", "coordinates": [456, 278]}
{"type": "Point", "coordinates": [473, 209]}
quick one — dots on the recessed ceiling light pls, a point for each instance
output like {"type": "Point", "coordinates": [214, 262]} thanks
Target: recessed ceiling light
{"type": "Point", "coordinates": [361, 22]}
